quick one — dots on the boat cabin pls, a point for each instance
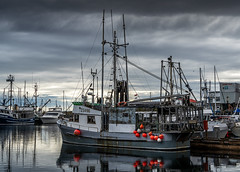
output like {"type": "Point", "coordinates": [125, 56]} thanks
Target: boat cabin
{"type": "Point", "coordinates": [86, 118]}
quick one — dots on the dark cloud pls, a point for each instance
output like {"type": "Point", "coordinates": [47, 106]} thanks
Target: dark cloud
{"type": "Point", "coordinates": [46, 41]}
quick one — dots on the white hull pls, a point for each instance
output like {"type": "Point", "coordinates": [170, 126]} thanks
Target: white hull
{"type": "Point", "coordinates": [217, 129]}
{"type": "Point", "coordinates": [49, 120]}
{"type": "Point", "coordinates": [236, 129]}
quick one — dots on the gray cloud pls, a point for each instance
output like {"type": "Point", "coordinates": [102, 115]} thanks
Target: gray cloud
{"type": "Point", "coordinates": [45, 41]}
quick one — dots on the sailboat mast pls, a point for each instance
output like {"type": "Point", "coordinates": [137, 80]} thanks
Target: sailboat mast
{"type": "Point", "coordinates": [103, 43]}
{"type": "Point", "coordinates": [125, 47]}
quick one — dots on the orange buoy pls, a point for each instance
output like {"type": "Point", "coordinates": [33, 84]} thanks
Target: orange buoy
{"type": "Point", "coordinates": [144, 134]}
{"type": "Point", "coordinates": [141, 126]}
{"type": "Point", "coordinates": [151, 162]}
{"type": "Point", "coordinates": [152, 137]}
{"type": "Point", "coordinates": [150, 133]}
{"type": "Point", "coordinates": [137, 135]}
{"type": "Point", "coordinates": [161, 164]}
{"type": "Point", "coordinates": [144, 163]}
{"type": "Point", "coordinates": [137, 162]}
{"type": "Point", "coordinates": [77, 132]}
{"type": "Point", "coordinates": [155, 137]}
{"type": "Point", "coordinates": [135, 131]}
{"type": "Point", "coordinates": [77, 157]}
{"type": "Point", "coordinates": [161, 136]}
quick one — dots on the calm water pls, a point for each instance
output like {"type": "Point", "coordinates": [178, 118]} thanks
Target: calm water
{"type": "Point", "coordinates": [40, 148]}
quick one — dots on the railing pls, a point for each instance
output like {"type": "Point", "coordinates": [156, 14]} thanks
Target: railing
{"type": "Point", "coordinates": [83, 127]}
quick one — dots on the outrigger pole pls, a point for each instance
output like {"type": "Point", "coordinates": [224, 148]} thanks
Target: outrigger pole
{"type": "Point", "coordinates": [160, 78]}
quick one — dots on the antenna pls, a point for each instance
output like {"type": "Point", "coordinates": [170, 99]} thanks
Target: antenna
{"type": "Point", "coordinates": [93, 75]}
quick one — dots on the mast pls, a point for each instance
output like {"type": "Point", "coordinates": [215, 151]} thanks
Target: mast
{"type": "Point", "coordinates": [171, 77]}
{"type": "Point", "coordinates": [125, 47]}
{"type": "Point", "coordinates": [63, 101]}
{"type": "Point", "coordinates": [82, 79]}
{"type": "Point", "coordinates": [115, 69]}
{"type": "Point", "coordinates": [200, 73]}
{"type": "Point", "coordinates": [97, 89]}
{"type": "Point", "coordinates": [215, 108]}
{"type": "Point", "coordinates": [93, 75]}
{"type": "Point", "coordinates": [35, 93]}
{"type": "Point", "coordinates": [103, 43]}
{"type": "Point", "coordinates": [161, 86]}
{"type": "Point", "coordinates": [11, 79]}
{"type": "Point", "coordinates": [24, 92]}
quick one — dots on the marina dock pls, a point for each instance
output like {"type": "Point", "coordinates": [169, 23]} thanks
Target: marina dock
{"type": "Point", "coordinates": [226, 144]}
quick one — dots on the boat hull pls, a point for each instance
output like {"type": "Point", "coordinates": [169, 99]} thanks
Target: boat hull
{"type": "Point", "coordinates": [236, 129]}
{"type": "Point", "coordinates": [123, 140]}
{"type": "Point", "coordinates": [49, 120]}
{"type": "Point", "coordinates": [6, 119]}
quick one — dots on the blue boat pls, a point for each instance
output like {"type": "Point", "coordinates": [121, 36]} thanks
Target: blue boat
{"type": "Point", "coordinates": [7, 117]}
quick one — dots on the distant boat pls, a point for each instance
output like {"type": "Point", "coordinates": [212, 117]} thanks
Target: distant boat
{"type": "Point", "coordinates": [12, 114]}
{"type": "Point", "coordinates": [8, 117]}
{"type": "Point", "coordinates": [52, 115]}
{"type": "Point", "coordinates": [217, 128]}
{"type": "Point", "coordinates": [117, 122]}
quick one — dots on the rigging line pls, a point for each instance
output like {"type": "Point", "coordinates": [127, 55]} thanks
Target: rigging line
{"type": "Point", "coordinates": [175, 80]}
{"type": "Point", "coordinates": [130, 82]}
{"type": "Point", "coordinates": [120, 71]}
{"type": "Point", "coordinates": [75, 90]}
{"type": "Point", "coordinates": [133, 88]}
{"type": "Point", "coordinates": [95, 67]}
{"type": "Point", "coordinates": [93, 45]}
{"type": "Point", "coordinates": [7, 86]}
{"type": "Point", "coordinates": [91, 81]}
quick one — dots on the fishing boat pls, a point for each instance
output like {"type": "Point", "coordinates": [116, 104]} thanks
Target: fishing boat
{"type": "Point", "coordinates": [165, 122]}
{"type": "Point", "coordinates": [217, 125]}
{"type": "Point", "coordinates": [10, 114]}
{"type": "Point", "coordinates": [52, 115]}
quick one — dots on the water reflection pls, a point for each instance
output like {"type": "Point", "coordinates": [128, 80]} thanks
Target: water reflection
{"type": "Point", "coordinates": [40, 148]}
{"type": "Point", "coordinates": [216, 161]}
{"type": "Point", "coordinates": [29, 147]}
{"type": "Point", "coordinates": [82, 158]}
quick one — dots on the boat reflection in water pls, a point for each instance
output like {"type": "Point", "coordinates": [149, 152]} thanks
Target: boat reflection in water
{"type": "Point", "coordinates": [84, 158]}
{"type": "Point", "coordinates": [29, 148]}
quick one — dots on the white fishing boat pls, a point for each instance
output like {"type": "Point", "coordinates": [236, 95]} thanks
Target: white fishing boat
{"type": "Point", "coordinates": [217, 127]}
{"type": "Point", "coordinates": [52, 115]}
{"type": "Point", "coordinates": [117, 122]}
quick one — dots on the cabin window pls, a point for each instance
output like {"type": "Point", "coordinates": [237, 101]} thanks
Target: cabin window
{"type": "Point", "coordinates": [76, 118]}
{"type": "Point", "coordinates": [125, 114]}
{"type": "Point", "coordinates": [91, 120]}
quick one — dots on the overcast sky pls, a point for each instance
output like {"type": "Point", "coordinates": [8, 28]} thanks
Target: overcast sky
{"type": "Point", "coordinates": [45, 41]}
